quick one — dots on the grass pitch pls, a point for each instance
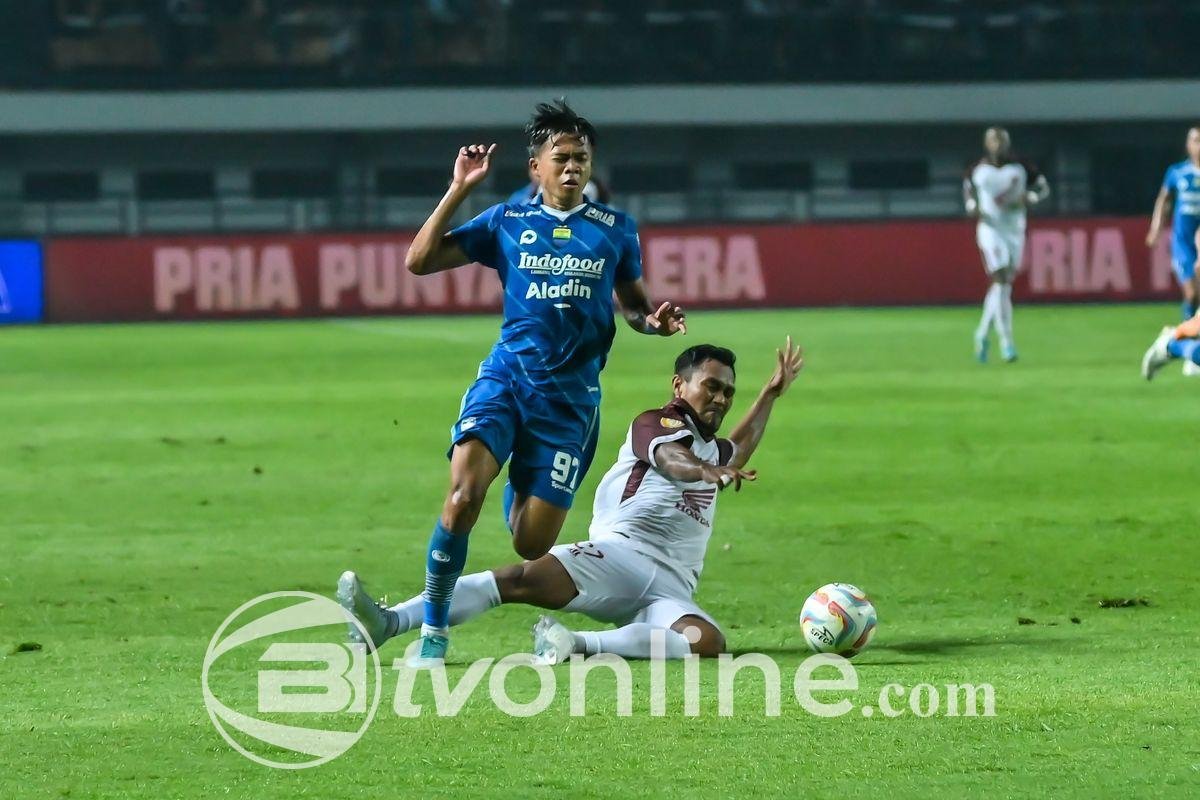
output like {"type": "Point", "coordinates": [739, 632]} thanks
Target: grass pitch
{"type": "Point", "coordinates": [155, 477]}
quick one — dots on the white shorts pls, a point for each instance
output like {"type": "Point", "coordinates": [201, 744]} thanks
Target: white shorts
{"type": "Point", "coordinates": [1001, 249]}
{"type": "Point", "coordinates": [617, 584]}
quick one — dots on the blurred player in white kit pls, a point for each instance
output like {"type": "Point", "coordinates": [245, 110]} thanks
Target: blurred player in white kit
{"type": "Point", "coordinates": [997, 190]}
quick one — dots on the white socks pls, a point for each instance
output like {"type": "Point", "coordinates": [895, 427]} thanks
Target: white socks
{"type": "Point", "coordinates": [473, 595]}
{"type": "Point", "coordinates": [998, 310]}
{"type": "Point", "coordinates": [631, 641]}
{"type": "Point", "coordinates": [991, 306]}
{"type": "Point", "coordinates": [1004, 315]}
{"type": "Point", "coordinates": [477, 593]}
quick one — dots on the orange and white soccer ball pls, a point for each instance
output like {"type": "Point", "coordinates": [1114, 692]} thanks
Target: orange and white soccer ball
{"type": "Point", "coordinates": [838, 618]}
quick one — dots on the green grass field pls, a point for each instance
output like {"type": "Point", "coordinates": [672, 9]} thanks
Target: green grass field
{"type": "Point", "coordinates": [155, 477]}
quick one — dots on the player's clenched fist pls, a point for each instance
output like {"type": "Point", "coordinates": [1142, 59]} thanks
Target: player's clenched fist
{"type": "Point", "coordinates": [472, 164]}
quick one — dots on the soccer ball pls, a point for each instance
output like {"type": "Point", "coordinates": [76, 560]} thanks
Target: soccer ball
{"type": "Point", "coordinates": [838, 618]}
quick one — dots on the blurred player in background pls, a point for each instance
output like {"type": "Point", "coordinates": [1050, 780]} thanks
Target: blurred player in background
{"type": "Point", "coordinates": [594, 192]}
{"type": "Point", "coordinates": [536, 399]}
{"type": "Point", "coordinates": [651, 523]}
{"type": "Point", "coordinates": [1183, 182]}
{"type": "Point", "coordinates": [997, 190]}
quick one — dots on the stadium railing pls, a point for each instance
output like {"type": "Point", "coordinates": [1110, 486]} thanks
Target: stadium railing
{"type": "Point", "coordinates": [130, 216]}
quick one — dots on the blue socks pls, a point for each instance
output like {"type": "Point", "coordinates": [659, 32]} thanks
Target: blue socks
{"type": "Point", "coordinates": [1185, 348]}
{"type": "Point", "coordinates": [1188, 310]}
{"type": "Point", "coordinates": [443, 566]}
{"type": "Point", "coordinates": [510, 497]}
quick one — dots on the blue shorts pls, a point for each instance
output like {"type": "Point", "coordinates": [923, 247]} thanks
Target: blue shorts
{"type": "Point", "coordinates": [1183, 260]}
{"type": "Point", "coordinates": [551, 443]}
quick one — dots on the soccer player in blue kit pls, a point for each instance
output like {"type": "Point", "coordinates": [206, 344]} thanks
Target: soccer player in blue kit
{"type": "Point", "coordinates": [535, 402]}
{"type": "Point", "coordinates": [1183, 181]}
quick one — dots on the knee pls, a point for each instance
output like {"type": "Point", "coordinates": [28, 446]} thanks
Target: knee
{"type": "Point", "coordinates": [530, 550]}
{"type": "Point", "coordinates": [534, 535]}
{"type": "Point", "coordinates": [465, 498]}
{"type": "Point", "coordinates": [709, 646]}
{"type": "Point", "coordinates": [710, 642]}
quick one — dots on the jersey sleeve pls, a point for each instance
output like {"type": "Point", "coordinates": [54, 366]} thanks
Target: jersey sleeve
{"type": "Point", "coordinates": [653, 428]}
{"type": "Point", "coordinates": [968, 182]}
{"type": "Point", "coordinates": [726, 450]}
{"type": "Point", "coordinates": [478, 237]}
{"type": "Point", "coordinates": [629, 268]}
{"type": "Point", "coordinates": [1169, 179]}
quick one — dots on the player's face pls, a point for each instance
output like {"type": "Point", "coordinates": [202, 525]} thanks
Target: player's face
{"type": "Point", "coordinates": [562, 168]}
{"type": "Point", "coordinates": [1193, 144]}
{"type": "Point", "coordinates": [709, 391]}
{"type": "Point", "coordinates": [996, 142]}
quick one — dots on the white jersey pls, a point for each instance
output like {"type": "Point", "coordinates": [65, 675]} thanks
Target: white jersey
{"type": "Point", "coordinates": [664, 519]}
{"type": "Point", "coordinates": [1000, 190]}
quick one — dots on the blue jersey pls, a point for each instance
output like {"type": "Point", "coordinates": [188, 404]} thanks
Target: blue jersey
{"type": "Point", "coordinates": [1183, 180]}
{"type": "Point", "coordinates": [558, 270]}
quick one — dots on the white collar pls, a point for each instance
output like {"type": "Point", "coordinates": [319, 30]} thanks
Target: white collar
{"type": "Point", "coordinates": [558, 214]}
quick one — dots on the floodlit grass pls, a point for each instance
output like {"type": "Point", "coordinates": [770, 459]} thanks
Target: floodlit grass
{"type": "Point", "coordinates": [155, 477]}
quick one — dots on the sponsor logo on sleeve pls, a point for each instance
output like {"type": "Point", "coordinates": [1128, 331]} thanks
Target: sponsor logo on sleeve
{"type": "Point", "coordinates": [600, 216]}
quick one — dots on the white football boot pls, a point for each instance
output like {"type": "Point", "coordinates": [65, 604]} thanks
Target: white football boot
{"type": "Point", "coordinates": [379, 623]}
{"type": "Point", "coordinates": [553, 642]}
{"type": "Point", "coordinates": [1157, 356]}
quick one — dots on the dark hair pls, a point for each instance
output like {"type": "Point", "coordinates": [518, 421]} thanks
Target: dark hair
{"type": "Point", "coordinates": [697, 354]}
{"type": "Point", "coordinates": [555, 119]}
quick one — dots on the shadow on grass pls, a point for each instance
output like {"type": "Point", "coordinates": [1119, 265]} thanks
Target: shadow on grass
{"type": "Point", "coordinates": [922, 647]}
{"type": "Point", "coordinates": [952, 645]}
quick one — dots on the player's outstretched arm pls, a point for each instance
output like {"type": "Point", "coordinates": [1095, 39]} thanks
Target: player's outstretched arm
{"type": "Point", "coordinates": [432, 250]}
{"type": "Point", "coordinates": [970, 198]}
{"type": "Point", "coordinates": [749, 432]}
{"type": "Point", "coordinates": [1161, 205]}
{"type": "Point", "coordinates": [1038, 192]}
{"type": "Point", "coordinates": [678, 462]}
{"type": "Point", "coordinates": [665, 320]}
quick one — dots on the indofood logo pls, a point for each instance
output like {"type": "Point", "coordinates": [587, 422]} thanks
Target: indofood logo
{"type": "Point", "coordinates": [548, 264]}
{"type": "Point", "coordinates": [281, 686]}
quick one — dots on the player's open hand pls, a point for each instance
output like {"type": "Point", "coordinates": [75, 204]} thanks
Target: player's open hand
{"type": "Point", "coordinates": [668, 320]}
{"type": "Point", "coordinates": [724, 477]}
{"type": "Point", "coordinates": [789, 362]}
{"type": "Point", "coordinates": [472, 164]}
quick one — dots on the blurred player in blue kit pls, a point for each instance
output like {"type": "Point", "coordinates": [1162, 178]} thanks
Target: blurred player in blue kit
{"type": "Point", "coordinates": [535, 402]}
{"type": "Point", "coordinates": [1182, 185]}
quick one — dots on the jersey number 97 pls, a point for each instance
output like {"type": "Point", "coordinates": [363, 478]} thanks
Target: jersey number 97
{"type": "Point", "coordinates": [566, 470]}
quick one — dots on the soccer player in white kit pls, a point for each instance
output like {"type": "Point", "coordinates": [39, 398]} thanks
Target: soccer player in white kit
{"type": "Point", "coordinates": [997, 190]}
{"type": "Point", "coordinates": [651, 524]}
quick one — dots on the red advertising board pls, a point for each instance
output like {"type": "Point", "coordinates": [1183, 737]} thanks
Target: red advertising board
{"type": "Point", "coordinates": [719, 266]}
